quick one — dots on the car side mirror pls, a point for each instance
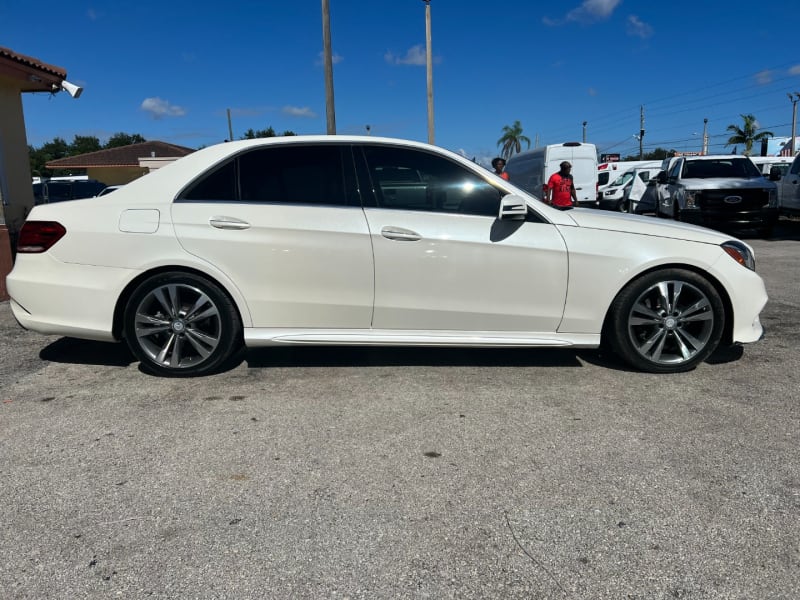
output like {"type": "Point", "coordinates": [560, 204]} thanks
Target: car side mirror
{"type": "Point", "coordinates": [775, 174]}
{"type": "Point", "coordinates": [513, 207]}
{"type": "Point", "coordinates": [661, 177]}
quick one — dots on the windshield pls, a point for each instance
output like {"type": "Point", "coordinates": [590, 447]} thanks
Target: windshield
{"type": "Point", "coordinates": [720, 167]}
{"type": "Point", "coordinates": [622, 179]}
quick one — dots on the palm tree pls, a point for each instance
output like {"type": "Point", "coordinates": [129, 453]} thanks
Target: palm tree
{"type": "Point", "coordinates": [747, 134]}
{"type": "Point", "coordinates": [512, 140]}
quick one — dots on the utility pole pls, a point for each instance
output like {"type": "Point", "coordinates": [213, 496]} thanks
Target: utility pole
{"type": "Point", "coordinates": [793, 98]}
{"type": "Point", "coordinates": [584, 132]}
{"type": "Point", "coordinates": [705, 137]}
{"type": "Point", "coordinates": [641, 132]}
{"type": "Point", "coordinates": [328, 60]}
{"type": "Point", "coordinates": [230, 127]}
{"type": "Point", "coordinates": [429, 65]}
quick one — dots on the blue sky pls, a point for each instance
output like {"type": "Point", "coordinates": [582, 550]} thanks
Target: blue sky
{"type": "Point", "coordinates": [169, 70]}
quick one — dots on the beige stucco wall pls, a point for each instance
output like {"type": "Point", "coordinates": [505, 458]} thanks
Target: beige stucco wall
{"type": "Point", "coordinates": [115, 175]}
{"type": "Point", "coordinates": [15, 173]}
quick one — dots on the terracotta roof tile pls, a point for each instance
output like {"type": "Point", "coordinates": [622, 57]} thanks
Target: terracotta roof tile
{"type": "Point", "coordinates": [123, 156]}
{"type": "Point", "coordinates": [32, 63]}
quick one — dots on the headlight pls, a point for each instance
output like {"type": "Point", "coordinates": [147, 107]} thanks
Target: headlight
{"type": "Point", "coordinates": [691, 198]}
{"type": "Point", "coordinates": [741, 253]}
{"type": "Point", "coordinates": [773, 198]}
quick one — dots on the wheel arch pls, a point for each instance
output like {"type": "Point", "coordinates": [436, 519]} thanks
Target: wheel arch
{"type": "Point", "coordinates": [727, 331]}
{"type": "Point", "coordinates": [122, 300]}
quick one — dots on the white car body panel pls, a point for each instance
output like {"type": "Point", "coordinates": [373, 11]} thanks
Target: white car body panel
{"type": "Point", "coordinates": [454, 278]}
{"type": "Point", "coordinates": [297, 266]}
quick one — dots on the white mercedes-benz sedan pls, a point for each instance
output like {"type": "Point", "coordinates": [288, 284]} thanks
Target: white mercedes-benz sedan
{"type": "Point", "coordinates": [367, 241]}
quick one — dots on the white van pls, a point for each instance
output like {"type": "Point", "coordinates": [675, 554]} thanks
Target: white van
{"type": "Point", "coordinates": [617, 196]}
{"type": "Point", "coordinates": [609, 172]}
{"type": "Point", "coordinates": [530, 170]}
{"type": "Point", "coordinates": [765, 164]}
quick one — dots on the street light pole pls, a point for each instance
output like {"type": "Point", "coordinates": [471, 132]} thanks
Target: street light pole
{"type": "Point", "coordinates": [429, 65]}
{"type": "Point", "coordinates": [705, 137]}
{"type": "Point", "coordinates": [328, 59]}
{"type": "Point", "coordinates": [584, 132]}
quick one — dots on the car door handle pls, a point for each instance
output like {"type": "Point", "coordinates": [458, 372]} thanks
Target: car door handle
{"type": "Point", "coordinates": [400, 235]}
{"type": "Point", "coordinates": [228, 223]}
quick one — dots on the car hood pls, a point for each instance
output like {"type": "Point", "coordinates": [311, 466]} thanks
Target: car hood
{"type": "Point", "coordinates": [597, 219]}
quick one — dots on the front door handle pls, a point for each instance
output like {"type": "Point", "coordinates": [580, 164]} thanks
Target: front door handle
{"type": "Point", "coordinates": [228, 223]}
{"type": "Point", "coordinates": [400, 234]}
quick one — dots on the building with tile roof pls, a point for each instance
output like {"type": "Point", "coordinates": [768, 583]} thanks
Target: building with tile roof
{"type": "Point", "coordinates": [116, 166]}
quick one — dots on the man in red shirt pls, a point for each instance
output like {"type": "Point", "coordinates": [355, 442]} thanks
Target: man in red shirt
{"type": "Point", "coordinates": [560, 191]}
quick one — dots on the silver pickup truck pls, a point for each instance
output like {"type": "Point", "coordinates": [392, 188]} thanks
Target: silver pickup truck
{"type": "Point", "coordinates": [788, 187]}
{"type": "Point", "coordinates": [719, 191]}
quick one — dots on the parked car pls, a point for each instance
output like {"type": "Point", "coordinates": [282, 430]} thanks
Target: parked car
{"type": "Point", "coordinates": [108, 189]}
{"type": "Point", "coordinates": [721, 191]}
{"type": "Point", "coordinates": [308, 240]}
{"type": "Point", "coordinates": [617, 196]}
{"type": "Point", "coordinates": [60, 190]}
{"type": "Point", "coordinates": [788, 187]}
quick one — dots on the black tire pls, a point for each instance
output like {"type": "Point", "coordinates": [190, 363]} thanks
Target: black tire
{"type": "Point", "coordinates": [623, 206]}
{"type": "Point", "coordinates": [181, 325]}
{"type": "Point", "coordinates": [667, 321]}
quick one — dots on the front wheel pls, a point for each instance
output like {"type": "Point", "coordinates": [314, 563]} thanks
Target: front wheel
{"type": "Point", "coordinates": [181, 325]}
{"type": "Point", "coordinates": [667, 321]}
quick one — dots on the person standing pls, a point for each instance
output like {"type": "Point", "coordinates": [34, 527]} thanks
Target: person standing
{"type": "Point", "coordinates": [560, 189]}
{"type": "Point", "coordinates": [499, 164]}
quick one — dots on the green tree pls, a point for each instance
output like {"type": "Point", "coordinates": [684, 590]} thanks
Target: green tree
{"type": "Point", "coordinates": [512, 140]}
{"type": "Point", "coordinates": [83, 144]}
{"type": "Point", "coordinates": [39, 157]}
{"type": "Point", "coordinates": [123, 139]}
{"type": "Point", "coordinates": [747, 135]}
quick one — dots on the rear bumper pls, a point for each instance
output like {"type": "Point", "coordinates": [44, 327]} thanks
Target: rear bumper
{"type": "Point", "coordinates": [55, 298]}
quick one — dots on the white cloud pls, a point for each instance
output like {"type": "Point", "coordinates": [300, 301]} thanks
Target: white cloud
{"type": "Point", "coordinates": [296, 111]}
{"type": "Point", "coordinates": [159, 108]}
{"type": "Point", "coordinates": [92, 14]}
{"type": "Point", "coordinates": [592, 10]}
{"type": "Point", "coordinates": [415, 56]}
{"type": "Point", "coordinates": [795, 70]}
{"type": "Point", "coordinates": [335, 59]}
{"type": "Point", "coordinates": [764, 77]}
{"type": "Point", "coordinates": [638, 28]}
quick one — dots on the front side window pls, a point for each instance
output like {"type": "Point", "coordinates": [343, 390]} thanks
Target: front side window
{"type": "Point", "coordinates": [408, 179]}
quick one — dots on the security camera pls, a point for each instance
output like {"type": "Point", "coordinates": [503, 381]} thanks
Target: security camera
{"type": "Point", "coordinates": [73, 90]}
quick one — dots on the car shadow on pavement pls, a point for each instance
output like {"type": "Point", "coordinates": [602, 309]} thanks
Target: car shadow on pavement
{"type": "Point", "coordinates": [358, 356]}
{"type": "Point", "coordinates": [87, 352]}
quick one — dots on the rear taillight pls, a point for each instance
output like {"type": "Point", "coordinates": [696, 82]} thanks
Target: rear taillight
{"type": "Point", "coordinates": [39, 236]}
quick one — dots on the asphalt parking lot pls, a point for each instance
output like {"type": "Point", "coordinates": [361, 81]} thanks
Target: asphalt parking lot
{"type": "Point", "coordinates": [379, 473]}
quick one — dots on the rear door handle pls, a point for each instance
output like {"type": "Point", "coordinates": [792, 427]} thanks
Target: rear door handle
{"type": "Point", "coordinates": [228, 223]}
{"type": "Point", "coordinates": [400, 234]}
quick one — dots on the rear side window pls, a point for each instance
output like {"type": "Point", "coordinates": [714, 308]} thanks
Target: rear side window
{"type": "Point", "coordinates": [280, 174]}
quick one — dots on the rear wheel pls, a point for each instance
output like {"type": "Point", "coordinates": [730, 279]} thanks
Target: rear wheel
{"type": "Point", "coordinates": [180, 325]}
{"type": "Point", "coordinates": [666, 322]}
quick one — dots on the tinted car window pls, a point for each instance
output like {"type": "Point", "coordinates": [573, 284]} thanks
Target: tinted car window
{"type": "Point", "coordinates": [294, 175]}
{"type": "Point", "coordinates": [289, 175]}
{"type": "Point", "coordinates": [217, 184]}
{"type": "Point", "coordinates": [416, 180]}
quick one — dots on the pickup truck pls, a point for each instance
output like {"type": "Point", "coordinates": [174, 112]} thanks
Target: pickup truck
{"type": "Point", "coordinates": [719, 191]}
{"type": "Point", "coordinates": [788, 187]}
